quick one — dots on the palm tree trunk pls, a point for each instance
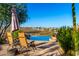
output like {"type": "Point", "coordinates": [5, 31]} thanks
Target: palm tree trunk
{"type": "Point", "coordinates": [74, 29]}
{"type": "Point", "coordinates": [74, 17]}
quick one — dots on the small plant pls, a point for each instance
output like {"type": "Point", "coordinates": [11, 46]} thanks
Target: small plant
{"type": "Point", "coordinates": [15, 33]}
{"type": "Point", "coordinates": [2, 41]}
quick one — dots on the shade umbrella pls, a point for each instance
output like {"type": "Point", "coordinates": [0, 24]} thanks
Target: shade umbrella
{"type": "Point", "coordinates": [14, 21]}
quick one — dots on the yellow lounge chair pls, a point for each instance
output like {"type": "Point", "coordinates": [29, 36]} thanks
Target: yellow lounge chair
{"type": "Point", "coordinates": [12, 49]}
{"type": "Point", "coordinates": [22, 39]}
{"type": "Point", "coordinates": [10, 38]}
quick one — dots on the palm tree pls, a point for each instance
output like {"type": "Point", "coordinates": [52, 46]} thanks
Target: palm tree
{"type": "Point", "coordinates": [74, 17]}
{"type": "Point", "coordinates": [74, 29]}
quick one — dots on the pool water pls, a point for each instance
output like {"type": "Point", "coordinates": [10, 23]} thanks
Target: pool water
{"type": "Point", "coordinates": [40, 38]}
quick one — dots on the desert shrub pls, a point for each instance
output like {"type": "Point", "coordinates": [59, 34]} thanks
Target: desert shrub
{"type": "Point", "coordinates": [65, 39]}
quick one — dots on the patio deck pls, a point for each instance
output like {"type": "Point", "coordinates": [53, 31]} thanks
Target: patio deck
{"type": "Point", "coordinates": [43, 49]}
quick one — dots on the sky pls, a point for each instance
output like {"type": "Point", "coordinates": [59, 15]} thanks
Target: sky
{"type": "Point", "coordinates": [50, 14]}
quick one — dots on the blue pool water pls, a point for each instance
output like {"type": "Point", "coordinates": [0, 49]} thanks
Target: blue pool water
{"type": "Point", "coordinates": [40, 38]}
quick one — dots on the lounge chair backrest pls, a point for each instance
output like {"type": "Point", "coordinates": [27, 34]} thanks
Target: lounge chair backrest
{"type": "Point", "coordinates": [22, 39]}
{"type": "Point", "coordinates": [9, 38]}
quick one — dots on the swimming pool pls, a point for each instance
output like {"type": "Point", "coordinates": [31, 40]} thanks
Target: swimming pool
{"type": "Point", "coordinates": [40, 38]}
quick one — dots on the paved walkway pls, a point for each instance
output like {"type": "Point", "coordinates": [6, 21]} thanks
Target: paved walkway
{"type": "Point", "coordinates": [3, 52]}
{"type": "Point", "coordinates": [49, 50]}
{"type": "Point", "coordinates": [44, 49]}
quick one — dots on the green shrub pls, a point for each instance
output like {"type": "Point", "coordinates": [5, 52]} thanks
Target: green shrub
{"type": "Point", "coordinates": [2, 41]}
{"type": "Point", "coordinates": [15, 33]}
{"type": "Point", "coordinates": [65, 39]}
{"type": "Point", "coordinates": [78, 39]}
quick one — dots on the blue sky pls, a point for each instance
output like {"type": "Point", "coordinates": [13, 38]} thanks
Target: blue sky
{"type": "Point", "coordinates": [50, 14]}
